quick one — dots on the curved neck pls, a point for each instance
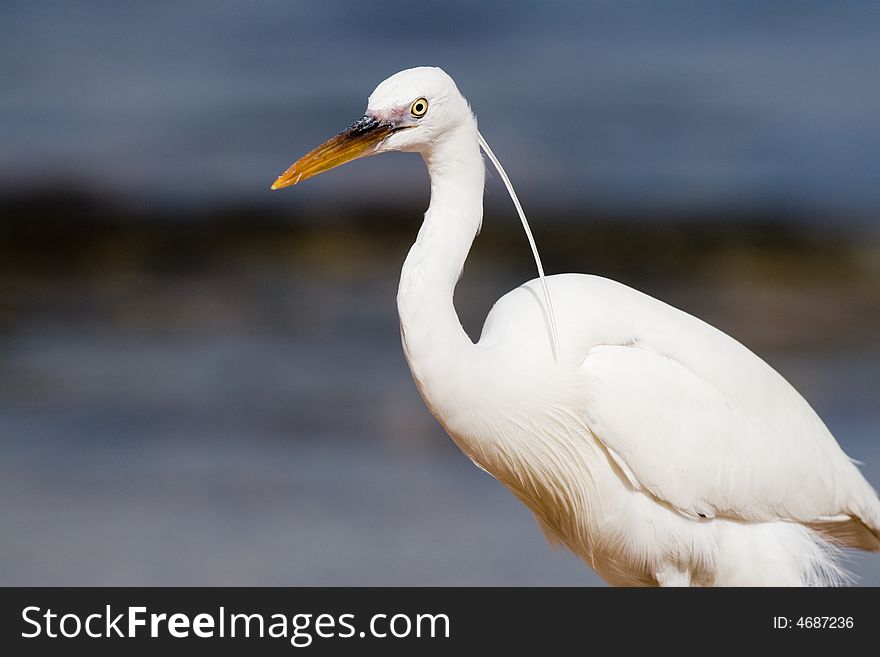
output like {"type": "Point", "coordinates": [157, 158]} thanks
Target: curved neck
{"type": "Point", "coordinates": [430, 329]}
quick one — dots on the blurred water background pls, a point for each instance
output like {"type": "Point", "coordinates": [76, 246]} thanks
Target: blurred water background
{"type": "Point", "coordinates": [201, 382]}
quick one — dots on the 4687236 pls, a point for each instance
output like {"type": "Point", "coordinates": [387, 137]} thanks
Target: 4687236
{"type": "Point", "coordinates": [814, 622]}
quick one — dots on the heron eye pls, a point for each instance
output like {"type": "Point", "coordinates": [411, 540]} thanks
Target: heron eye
{"type": "Point", "coordinates": [419, 108]}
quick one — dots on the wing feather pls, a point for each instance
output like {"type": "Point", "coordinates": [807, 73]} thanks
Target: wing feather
{"type": "Point", "coordinates": [684, 441]}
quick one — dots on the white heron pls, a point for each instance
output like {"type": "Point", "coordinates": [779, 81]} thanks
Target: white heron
{"type": "Point", "coordinates": [655, 447]}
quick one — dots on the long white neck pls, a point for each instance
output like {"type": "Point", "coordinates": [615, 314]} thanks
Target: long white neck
{"type": "Point", "coordinates": [434, 342]}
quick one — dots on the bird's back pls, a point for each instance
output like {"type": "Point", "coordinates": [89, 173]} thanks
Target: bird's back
{"type": "Point", "coordinates": [691, 416]}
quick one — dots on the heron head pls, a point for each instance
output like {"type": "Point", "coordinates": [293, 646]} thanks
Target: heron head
{"type": "Point", "coordinates": [409, 111]}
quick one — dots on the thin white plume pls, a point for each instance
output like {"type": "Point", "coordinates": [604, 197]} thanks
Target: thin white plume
{"type": "Point", "coordinates": [551, 316]}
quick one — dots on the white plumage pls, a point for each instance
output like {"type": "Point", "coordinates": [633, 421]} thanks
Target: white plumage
{"type": "Point", "coordinates": [655, 447]}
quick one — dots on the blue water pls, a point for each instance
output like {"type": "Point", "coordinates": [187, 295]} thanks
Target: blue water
{"type": "Point", "coordinates": [626, 105]}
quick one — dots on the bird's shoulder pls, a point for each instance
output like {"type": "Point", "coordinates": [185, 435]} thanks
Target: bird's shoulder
{"type": "Point", "coordinates": [593, 312]}
{"type": "Point", "coordinates": [519, 317]}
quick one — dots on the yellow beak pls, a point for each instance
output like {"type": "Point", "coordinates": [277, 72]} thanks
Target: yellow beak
{"type": "Point", "coordinates": [358, 140]}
